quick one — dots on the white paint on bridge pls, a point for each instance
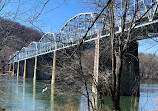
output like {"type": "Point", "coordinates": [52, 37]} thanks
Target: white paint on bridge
{"type": "Point", "coordinates": [75, 28]}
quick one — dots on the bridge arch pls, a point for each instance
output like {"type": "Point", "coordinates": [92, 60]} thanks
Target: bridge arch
{"type": "Point", "coordinates": [16, 55]}
{"type": "Point", "coordinates": [49, 41]}
{"type": "Point", "coordinates": [32, 49]}
{"type": "Point", "coordinates": [48, 37]}
{"type": "Point", "coordinates": [23, 53]}
{"type": "Point", "coordinates": [75, 28]}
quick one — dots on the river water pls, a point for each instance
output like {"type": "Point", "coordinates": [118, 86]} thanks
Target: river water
{"type": "Point", "coordinates": [25, 95]}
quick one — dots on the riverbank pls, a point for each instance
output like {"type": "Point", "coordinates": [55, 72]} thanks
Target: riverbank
{"type": "Point", "coordinates": [1, 109]}
{"type": "Point", "coordinates": [5, 72]}
{"type": "Point", "coordinates": [2, 74]}
{"type": "Point", "coordinates": [148, 80]}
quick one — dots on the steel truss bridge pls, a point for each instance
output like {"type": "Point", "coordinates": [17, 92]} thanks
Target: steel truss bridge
{"type": "Point", "coordinates": [75, 28]}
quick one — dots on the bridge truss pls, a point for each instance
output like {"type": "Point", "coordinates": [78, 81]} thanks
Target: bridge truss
{"type": "Point", "coordinates": [75, 28]}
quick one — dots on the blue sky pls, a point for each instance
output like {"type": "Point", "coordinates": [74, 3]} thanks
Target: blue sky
{"type": "Point", "coordinates": [148, 46]}
{"type": "Point", "coordinates": [54, 20]}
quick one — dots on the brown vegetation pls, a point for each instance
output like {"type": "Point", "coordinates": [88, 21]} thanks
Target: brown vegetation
{"type": "Point", "coordinates": [14, 36]}
{"type": "Point", "coordinates": [148, 64]}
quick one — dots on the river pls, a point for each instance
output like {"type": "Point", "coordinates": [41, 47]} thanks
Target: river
{"type": "Point", "coordinates": [24, 95]}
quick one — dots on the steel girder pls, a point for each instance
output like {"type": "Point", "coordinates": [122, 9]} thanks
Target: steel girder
{"type": "Point", "coordinates": [75, 28]}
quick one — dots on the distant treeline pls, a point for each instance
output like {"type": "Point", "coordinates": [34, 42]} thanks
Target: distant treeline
{"type": "Point", "coordinates": [14, 36]}
{"type": "Point", "coordinates": [148, 66]}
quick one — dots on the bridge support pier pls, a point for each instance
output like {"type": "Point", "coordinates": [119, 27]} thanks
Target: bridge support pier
{"type": "Point", "coordinates": [95, 75]}
{"type": "Point", "coordinates": [35, 69]}
{"type": "Point", "coordinates": [24, 74]}
{"type": "Point", "coordinates": [130, 69]}
{"type": "Point", "coordinates": [13, 70]}
{"type": "Point", "coordinates": [53, 80]}
{"type": "Point", "coordinates": [10, 65]}
{"type": "Point", "coordinates": [18, 70]}
{"type": "Point", "coordinates": [130, 75]}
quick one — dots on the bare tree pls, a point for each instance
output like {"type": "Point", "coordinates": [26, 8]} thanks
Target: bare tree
{"type": "Point", "coordinates": [128, 16]}
{"type": "Point", "coordinates": [119, 46]}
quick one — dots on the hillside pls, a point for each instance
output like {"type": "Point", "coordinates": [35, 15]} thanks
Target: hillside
{"type": "Point", "coordinates": [14, 36]}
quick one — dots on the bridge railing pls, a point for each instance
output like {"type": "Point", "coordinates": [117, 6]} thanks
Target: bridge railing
{"type": "Point", "coordinates": [39, 48]}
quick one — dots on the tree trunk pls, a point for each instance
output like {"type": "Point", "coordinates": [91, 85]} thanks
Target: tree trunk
{"type": "Point", "coordinates": [116, 94]}
{"type": "Point", "coordinates": [117, 55]}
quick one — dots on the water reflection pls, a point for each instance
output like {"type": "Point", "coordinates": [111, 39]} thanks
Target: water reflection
{"type": "Point", "coordinates": [23, 88]}
{"type": "Point", "coordinates": [17, 84]}
{"type": "Point", "coordinates": [149, 97]}
{"type": "Point", "coordinates": [34, 93]}
{"type": "Point", "coordinates": [52, 97]}
{"type": "Point", "coordinates": [24, 94]}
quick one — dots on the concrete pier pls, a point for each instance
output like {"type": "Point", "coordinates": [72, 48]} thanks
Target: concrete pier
{"type": "Point", "coordinates": [10, 65]}
{"type": "Point", "coordinates": [35, 68]}
{"type": "Point", "coordinates": [18, 70]}
{"type": "Point", "coordinates": [95, 75]}
{"type": "Point", "coordinates": [24, 74]}
{"type": "Point", "coordinates": [21, 68]}
{"type": "Point", "coordinates": [53, 80]}
{"type": "Point", "coordinates": [13, 70]}
{"type": "Point", "coordinates": [130, 75]}
{"type": "Point", "coordinates": [30, 67]}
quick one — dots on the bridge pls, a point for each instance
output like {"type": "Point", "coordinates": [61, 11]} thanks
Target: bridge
{"type": "Point", "coordinates": [75, 28]}
{"type": "Point", "coordinates": [72, 32]}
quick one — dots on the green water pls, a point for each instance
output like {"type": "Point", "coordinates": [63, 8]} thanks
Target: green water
{"type": "Point", "coordinates": [24, 95]}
